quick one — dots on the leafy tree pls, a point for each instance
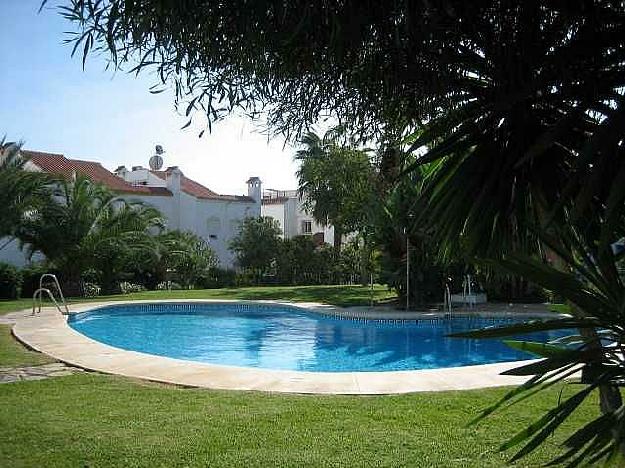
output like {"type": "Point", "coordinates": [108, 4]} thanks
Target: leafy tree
{"type": "Point", "coordinates": [89, 227]}
{"type": "Point", "coordinates": [21, 191]}
{"type": "Point", "coordinates": [297, 261]}
{"type": "Point", "coordinates": [257, 244]}
{"type": "Point", "coordinates": [397, 66]}
{"type": "Point", "coordinates": [335, 182]}
{"type": "Point", "coordinates": [187, 256]}
{"type": "Point", "coordinates": [400, 230]}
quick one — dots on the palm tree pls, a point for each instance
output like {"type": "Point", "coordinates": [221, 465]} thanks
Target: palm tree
{"type": "Point", "coordinates": [596, 293]}
{"type": "Point", "coordinates": [335, 181]}
{"type": "Point", "coordinates": [514, 166]}
{"type": "Point", "coordinates": [20, 190]}
{"type": "Point", "coordinates": [88, 227]}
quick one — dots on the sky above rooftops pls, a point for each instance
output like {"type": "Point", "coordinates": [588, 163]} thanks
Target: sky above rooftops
{"type": "Point", "coordinates": [52, 105]}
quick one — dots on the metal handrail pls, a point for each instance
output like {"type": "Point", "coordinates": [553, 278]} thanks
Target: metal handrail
{"type": "Point", "coordinates": [467, 292]}
{"type": "Point", "coordinates": [39, 292]}
{"type": "Point", "coordinates": [447, 300]}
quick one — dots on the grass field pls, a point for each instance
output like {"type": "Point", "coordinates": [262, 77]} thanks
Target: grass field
{"type": "Point", "coordinates": [336, 295]}
{"type": "Point", "coordinates": [99, 420]}
{"type": "Point", "coordinates": [95, 420]}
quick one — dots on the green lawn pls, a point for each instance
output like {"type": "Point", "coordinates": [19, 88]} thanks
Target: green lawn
{"type": "Point", "coordinates": [337, 295]}
{"type": "Point", "coordinates": [94, 420]}
{"type": "Point", "coordinates": [13, 354]}
{"type": "Point", "coordinates": [99, 420]}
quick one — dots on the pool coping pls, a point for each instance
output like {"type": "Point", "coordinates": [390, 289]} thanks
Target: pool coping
{"type": "Point", "coordinates": [49, 333]}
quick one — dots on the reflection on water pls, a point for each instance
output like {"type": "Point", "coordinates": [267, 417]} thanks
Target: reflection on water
{"type": "Point", "coordinates": [281, 337]}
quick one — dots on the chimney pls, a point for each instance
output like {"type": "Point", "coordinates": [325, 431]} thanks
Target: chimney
{"type": "Point", "coordinates": [174, 177]}
{"type": "Point", "coordinates": [254, 189]}
{"type": "Point", "coordinates": [121, 171]}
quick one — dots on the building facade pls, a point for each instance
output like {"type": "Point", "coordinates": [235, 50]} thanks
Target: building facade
{"type": "Point", "coordinates": [287, 207]}
{"type": "Point", "coordinates": [186, 204]}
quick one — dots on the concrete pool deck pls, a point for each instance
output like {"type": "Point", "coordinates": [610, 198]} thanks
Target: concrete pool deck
{"type": "Point", "coordinates": [49, 333]}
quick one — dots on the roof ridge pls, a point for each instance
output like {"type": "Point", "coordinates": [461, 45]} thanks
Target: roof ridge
{"type": "Point", "coordinates": [86, 161]}
{"type": "Point", "coordinates": [46, 153]}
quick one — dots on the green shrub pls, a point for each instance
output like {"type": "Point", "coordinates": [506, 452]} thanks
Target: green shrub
{"type": "Point", "coordinates": [169, 286]}
{"type": "Point", "coordinates": [128, 288]}
{"type": "Point", "coordinates": [10, 281]}
{"type": "Point", "coordinates": [218, 278]}
{"type": "Point", "coordinates": [91, 290]}
{"type": "Point", "coordinates": [247, 277]}
{"type": "Point", "coordinates": [30, 279]}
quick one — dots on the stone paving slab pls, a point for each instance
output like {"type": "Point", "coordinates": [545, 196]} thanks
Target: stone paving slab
{"type": "Point", "coordinates": [49, 333]}
{"type": "Point", "coordinates": [45, 371]}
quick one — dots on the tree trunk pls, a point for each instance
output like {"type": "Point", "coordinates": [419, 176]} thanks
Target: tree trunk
{"type": "Point", "coordinates": [338, 238]}
{"type": "Point", "coordinates": [365, 255]}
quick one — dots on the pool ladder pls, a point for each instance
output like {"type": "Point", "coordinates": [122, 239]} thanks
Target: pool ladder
{"type": "Point", "coordinates": [447, 301]}
{"type": "Point", "coordinates": [38, 295]}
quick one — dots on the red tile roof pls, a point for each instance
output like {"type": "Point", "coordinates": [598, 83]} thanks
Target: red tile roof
{"type": "Point", "coordinates": [197, 190]}
{"type": "Point", "coordinates": [65, 167]}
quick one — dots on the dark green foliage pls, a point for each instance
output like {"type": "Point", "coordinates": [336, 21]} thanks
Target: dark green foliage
{"type": "Point", "coordinates": [21, 191]}
{"type": "Point", "coordinates": [506, 287]}
{"type": "Point", "coordinates": [335, 181]}
{"type": "Point", "coordinates": [299, 262]}
{"type": "Point", "coordinates": [265, 258]}
{"type": "Point", "coordinates": [181, 257]}
{"type": "Point", "coordinates": [397, 66]}
{"type": "Point", "coordinates": [187, 257]}
{"type": "Point", "coordinates": [10, 281]}
{"type": "Point", "coordinates": [86, 228]}
{"type": "Point", "coordinates": [596, 293]}
{"type": "Point", "coordinates": [398, 228]}
{"type": "Point", "coordinates": [257, 244]}
{"type": "Point", "coordinates": [302, 262]}
{"type": "Point", "coordinates": [218, 278]}
{"type": "Point", "coordinates": [30, 278]}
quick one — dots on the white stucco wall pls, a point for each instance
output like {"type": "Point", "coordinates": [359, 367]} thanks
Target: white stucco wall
{"type": "Point", "coordinates": [275, 211]}
{"type": "Point", "coordinates": [12, 254]}
{"type": "Point", "coordinates": [216, 221]}
{"type": "Point", "coordinates": [291, 215]}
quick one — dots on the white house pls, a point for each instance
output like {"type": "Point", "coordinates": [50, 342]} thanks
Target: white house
{"type": "Point", "coordinates": [186, 204]}
{"type": "Point", "coordinates": [287, 207]}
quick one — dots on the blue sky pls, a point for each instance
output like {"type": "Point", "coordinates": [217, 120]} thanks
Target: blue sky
{"type": "Point", "coordinates": [50, 103]}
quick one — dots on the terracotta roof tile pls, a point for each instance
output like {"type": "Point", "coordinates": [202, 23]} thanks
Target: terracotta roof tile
{"type": "Point", "coordinates": [191, 187]}
{"type": "Point", "coordinates": [65, 167]}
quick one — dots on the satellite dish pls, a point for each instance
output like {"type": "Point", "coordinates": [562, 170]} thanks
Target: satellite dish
{"type": "Point", "coordinates": [156, 161]}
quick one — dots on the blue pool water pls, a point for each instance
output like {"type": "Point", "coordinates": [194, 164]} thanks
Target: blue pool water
{"type": "Point", "coordinates": [283, 337]}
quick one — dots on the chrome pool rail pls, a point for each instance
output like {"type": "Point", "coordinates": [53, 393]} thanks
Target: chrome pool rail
{"type": "Point", "coordinates": [447, 303]}
{"type": "Point", "coordinates": [37, 296]}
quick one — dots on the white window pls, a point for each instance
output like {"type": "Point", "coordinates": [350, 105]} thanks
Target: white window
{"type": "Point", "coordinates": [306, 227]}
{"type": "Point", "coordinates": [213, 226]}
{"type": "Point", "coordinates": [235, 226]}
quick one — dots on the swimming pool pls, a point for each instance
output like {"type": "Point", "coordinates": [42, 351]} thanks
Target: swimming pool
{"type": "Point", "coordinates": [273, 336]}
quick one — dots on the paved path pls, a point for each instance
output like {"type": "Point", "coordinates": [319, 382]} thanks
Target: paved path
{"type": "Point", "coordinates": [45, 371]}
